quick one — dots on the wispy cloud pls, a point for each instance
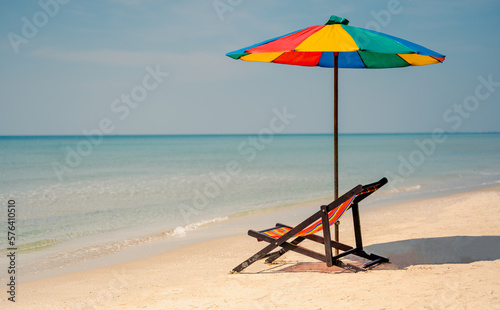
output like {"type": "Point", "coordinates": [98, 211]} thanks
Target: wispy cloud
{"type": "Point", "coordinates": [131, 3]}
{"type": "Point", "coordinates": [104, 56]}
{"type": "Point", "coordinates": [192, 67]}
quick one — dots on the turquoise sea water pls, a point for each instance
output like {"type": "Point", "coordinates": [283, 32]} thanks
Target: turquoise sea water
{"type": "Point", "coordinates": [78, 191]}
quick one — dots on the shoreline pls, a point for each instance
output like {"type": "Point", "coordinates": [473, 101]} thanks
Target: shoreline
{"type": "Point", "coordinates": [443, 252]}
{"type": "Point", "coordinates": [227, 228]}
{"type": "Point", "coordinates": [162, 242]}
{"type": "Point", "coordinates": [103, 208]}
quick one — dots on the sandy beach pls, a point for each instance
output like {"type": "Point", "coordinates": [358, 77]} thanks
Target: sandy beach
{"type": "Point", "coordinates": [444, 252]}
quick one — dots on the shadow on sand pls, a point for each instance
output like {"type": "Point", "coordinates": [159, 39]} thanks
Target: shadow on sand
{"type": "Point", "coordinates": [444, 250]}
{"type": "Point", "coordinates": [405, 253]}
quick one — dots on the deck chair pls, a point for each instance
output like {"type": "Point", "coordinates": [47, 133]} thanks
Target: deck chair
{"type": "Point", "coordinates": [279, 236]}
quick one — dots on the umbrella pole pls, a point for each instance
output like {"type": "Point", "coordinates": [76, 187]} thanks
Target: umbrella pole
{"type": "Point", "coordinates": [336, 136]}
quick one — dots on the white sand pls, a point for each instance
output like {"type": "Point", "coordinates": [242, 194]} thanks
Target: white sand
{"type": "Point", "coordinates": [445, 254]}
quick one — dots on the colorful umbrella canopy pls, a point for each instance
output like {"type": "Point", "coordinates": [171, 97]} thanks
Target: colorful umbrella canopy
{"type": "Point", "coordinates": [337, 45]}
{"type": "Point", "coordinates": [357, 48]}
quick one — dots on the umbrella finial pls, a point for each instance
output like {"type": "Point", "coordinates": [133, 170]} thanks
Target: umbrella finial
{"type": "Point", "coordinates": [337, 20]}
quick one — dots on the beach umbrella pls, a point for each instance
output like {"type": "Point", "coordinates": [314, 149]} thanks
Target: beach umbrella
{"type": "Point", "coordinates": [337, 45]}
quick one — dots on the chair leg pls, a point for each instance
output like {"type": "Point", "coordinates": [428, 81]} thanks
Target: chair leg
{"type": "Point", "coordinates": [375, 260]}
{"type": "Point", "coordinates": [357, 226]}
{"type": "Point", "coordinates": [259, 255]}
{"type": "Point", "coordinates": [327, 237]}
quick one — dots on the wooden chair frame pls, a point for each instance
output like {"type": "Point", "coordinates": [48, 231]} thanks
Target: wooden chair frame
{"type": "Point", "coordinates": [361, 192]}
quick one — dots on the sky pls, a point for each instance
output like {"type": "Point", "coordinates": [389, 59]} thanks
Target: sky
{"type": "Point", "coordinates": [119, 67]}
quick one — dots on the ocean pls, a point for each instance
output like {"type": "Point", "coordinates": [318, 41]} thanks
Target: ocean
{"type": "Point", "coordinates": [79, 198]}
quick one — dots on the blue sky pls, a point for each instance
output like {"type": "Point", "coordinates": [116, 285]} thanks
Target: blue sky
{"type": "Point", "coordinates": [67, 65]}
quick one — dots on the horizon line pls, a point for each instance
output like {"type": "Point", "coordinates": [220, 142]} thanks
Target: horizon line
{"type": "Point", "coordinates": [253, 134]}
